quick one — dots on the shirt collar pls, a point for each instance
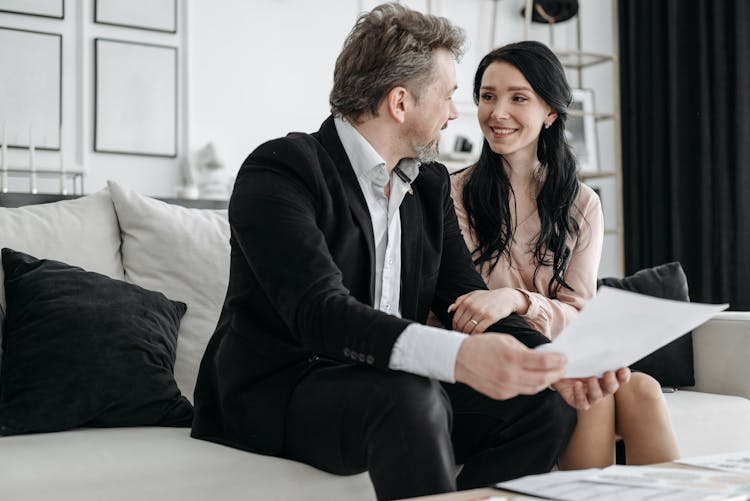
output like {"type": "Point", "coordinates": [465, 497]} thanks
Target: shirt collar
{"type": "Point", "coordinates": [366, 162]}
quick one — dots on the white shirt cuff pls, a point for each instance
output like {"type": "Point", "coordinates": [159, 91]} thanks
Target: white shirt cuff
{"type": "Point", "coordinates": [427, 351]}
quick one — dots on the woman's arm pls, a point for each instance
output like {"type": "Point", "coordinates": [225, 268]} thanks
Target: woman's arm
{"type": "Point", "coordinates": [550, 316]}
{"type": "Point", "coordinates": [547, 315]}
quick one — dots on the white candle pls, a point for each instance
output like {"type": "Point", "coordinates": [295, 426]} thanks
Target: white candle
{"type": "Point", "coordinates": [32, 163]}
{"type": "Point", "coordinates": [3, 158]}
{"type": "Point", "coordinates": [63, 187]}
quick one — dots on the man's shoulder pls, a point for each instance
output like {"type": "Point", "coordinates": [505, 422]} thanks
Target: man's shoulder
{"type": "Point", "coordinates": [433, 173]}
{"type": "Point", "coordinates": [292, 145]}
{"type": "Point", "coordinates": [298, 154]}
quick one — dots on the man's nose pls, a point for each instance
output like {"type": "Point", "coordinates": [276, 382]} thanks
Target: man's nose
{"type": "Point", "coordinates": [453, 111]}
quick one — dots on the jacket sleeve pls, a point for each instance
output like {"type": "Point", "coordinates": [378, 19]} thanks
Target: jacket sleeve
{"type": "Point", "coordinates": [279, 199]}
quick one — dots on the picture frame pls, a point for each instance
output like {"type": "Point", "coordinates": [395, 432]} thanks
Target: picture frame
{"type": "Point", "coordinates": [31, 88]}
{"type": "Point", "coordinates": [152, 15]}
{"type": "Point", "coordinates": [580, 130]}
{"type": "Point", "coordinates": [135, 98]}
{"type": "Point", "coordinates": [40, 8]}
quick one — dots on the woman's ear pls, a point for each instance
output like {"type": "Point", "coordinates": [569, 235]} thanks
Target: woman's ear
{"type": "Point", "coordinates": [396, 103]}
{"type": "Point", "coordinates": [551, 117]}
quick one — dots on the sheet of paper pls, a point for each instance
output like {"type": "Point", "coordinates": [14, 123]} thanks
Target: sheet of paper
{"type": "Point", "coordinates": [736, 462]}
{"type": "Point", "coordinates": [618, 327]}
{"type": "Point", "coordinates": [720, 485]}
{"type": "Point", "coordinates": [575, 486]}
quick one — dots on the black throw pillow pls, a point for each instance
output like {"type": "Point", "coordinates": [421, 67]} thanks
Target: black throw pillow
{"type": "Point", "coordinates": [83, 349]}
{"type": "Point", "coordinates": [2, 326]}
{"type": "Point", "coordinates": [672, 364]}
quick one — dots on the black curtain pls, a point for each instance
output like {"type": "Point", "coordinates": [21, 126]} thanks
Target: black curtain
{"type": "Point", "coordinates": [685, 90]}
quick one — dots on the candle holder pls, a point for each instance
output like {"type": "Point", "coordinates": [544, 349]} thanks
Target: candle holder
{"type": "Point", "coordinates": [32, 163]}
{"type": "Point", "coordinates": [63, 185]}
{"type": "Point", "coordinates": [4, 160]}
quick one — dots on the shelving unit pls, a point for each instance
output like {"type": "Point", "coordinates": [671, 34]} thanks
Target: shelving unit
{"type": "Point", "coordinates": [607, 179]}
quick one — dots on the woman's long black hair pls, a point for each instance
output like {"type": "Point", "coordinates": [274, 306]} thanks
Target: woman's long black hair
{"type": "Point", "coordinates": [486, 193]}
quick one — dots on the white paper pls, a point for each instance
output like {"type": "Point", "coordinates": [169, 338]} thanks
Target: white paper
{"type": "Point", "coordinates": [619, 327]}
{"type": "Point", "coordinates": [576, 486]}
{"type": "Point", "coordinates": [736, 462]}
{"type": "Point", "coordinates": [695, 481]}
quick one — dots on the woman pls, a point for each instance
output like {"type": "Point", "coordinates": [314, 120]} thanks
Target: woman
{"type": "Point", "coordinates": [535, 233]}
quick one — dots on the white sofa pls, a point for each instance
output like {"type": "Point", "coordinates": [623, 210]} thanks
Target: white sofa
{"type": "Point", "coordinates": [184, 254]}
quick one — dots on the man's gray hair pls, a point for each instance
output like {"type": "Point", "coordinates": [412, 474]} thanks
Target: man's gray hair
{"type": "Point", "coordinates": [389, 46]}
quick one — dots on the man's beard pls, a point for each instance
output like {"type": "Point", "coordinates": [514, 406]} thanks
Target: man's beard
{"type": "Point", "coordinates": [427, 153]}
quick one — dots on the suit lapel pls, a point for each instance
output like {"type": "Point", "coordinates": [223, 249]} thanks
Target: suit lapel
{"type": "Point", "coordinates": [411, 250]}
{"type": "Point", "coordinates": [330, 140]}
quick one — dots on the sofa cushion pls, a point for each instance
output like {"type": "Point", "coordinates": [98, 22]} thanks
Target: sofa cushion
{"type": "Point", "coordinates": [83, 349]}
{"type": "Point", "coordinates": [82, 232]}
{"type": "Point", "coordinates": [134, 464]}
{"type": "Point", "coordinates": [183, 253]}
{"type": "Point", "coordinates": [709, 423]}
{"type": "Point", "coordinates": [671, 365]}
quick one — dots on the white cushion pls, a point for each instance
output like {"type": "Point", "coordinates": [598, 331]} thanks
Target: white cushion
{"type": "Point", "coordinates": [81, 232]}
{"type": "Point", "coordinates": [157, 464]}
{"type": "Point", "coordinates": [707, 423]}
{"type": "Point", "coordinates": [183, 253]}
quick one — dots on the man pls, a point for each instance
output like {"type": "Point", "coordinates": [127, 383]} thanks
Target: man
{"type": "Point", "coordinates": [342, 242]}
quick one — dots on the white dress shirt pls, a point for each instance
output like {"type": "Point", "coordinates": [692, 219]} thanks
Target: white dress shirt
{"type": "Point", "coordinates": [420, 349]}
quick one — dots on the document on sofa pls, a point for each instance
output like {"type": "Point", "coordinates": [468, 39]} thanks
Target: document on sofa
{"type": "Point", "coordinates": [618, 327]}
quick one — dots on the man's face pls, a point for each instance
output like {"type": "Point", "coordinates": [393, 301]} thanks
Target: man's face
{"type": "Point", "coordinates": [434, 109]}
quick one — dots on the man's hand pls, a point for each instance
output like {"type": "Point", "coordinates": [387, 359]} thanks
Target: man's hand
{"type": "Point", "coordinates": [582, 393]}
{"type": "Point", "coordinates": [501, 367]}
{"type": "Point", "coordinates": [479, 309]}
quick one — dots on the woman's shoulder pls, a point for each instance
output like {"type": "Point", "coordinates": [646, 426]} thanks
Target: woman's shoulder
{"type": "Point", "coordinates": [588, 199]}
{"type": "Point", "coordinates": [459, 179]}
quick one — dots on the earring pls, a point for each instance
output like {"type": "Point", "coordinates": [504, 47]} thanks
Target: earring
{"type": "Point", "coordinates": [546, 125]}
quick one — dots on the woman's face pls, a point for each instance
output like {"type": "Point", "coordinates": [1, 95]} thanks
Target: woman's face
{"type": "Point", "coordinates": [510, 113]}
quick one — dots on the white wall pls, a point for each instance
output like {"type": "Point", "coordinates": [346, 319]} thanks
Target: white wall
{"type": "Point", "coordinates": [260, 69]}
{"type": "Point", "coordinates": [150, 175]}
{"type": "Point", "coordinates": [254, 70]}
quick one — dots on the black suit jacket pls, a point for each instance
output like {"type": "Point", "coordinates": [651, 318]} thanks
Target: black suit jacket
{"type": "Point", "coordinates": [302, 281]}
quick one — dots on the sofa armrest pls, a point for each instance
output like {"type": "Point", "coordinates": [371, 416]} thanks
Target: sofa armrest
{"type": "Point", "coordinates": [721, 351]}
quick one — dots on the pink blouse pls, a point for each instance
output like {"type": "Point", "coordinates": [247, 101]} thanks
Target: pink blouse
{"type": "Point", "coordinates": [548, 316]}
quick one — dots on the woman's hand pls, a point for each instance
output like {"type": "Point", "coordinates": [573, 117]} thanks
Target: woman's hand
{"type": "Point", "coordinates": [477, 310]}
{"type": "Point", "coordinates": [582, 393]}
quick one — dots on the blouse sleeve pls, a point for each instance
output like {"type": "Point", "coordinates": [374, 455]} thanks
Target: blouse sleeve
{"type": "Point", "coordinates": [550, 316]}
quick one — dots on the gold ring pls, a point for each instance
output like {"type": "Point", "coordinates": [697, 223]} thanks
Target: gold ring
{"type": "Point", "coordinates": [473, 321]}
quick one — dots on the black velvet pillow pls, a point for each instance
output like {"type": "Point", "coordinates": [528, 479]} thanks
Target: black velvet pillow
{"type": "Point", "coordinates": [671, 365]}
{"type": "Point", "coordinates": [83, 349]}
{"type": "Point", "coordinates": [2, 326]}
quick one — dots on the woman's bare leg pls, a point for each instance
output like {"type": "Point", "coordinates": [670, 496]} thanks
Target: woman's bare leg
{"type": "Point", "coordinates": [642, 419]}
{"type": "Point", "coordinates": [592, 444]}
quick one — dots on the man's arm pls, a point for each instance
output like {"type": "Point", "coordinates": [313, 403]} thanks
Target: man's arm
{"type": "Point", "coordinates": [279, 201]}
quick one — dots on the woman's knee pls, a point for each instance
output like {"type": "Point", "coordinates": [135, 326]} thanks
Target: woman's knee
{"type": "Point", "coordinates": [640, 390]}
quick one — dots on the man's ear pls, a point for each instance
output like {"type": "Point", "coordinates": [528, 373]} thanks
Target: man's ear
{"type": "Point", "coordinates": [396, 103]}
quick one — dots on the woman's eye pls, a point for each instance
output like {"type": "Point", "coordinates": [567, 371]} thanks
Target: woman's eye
{"type": "Point", "coordinates": [520, 99]}
{"type": "Point", "coordinates": [486, 97]}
